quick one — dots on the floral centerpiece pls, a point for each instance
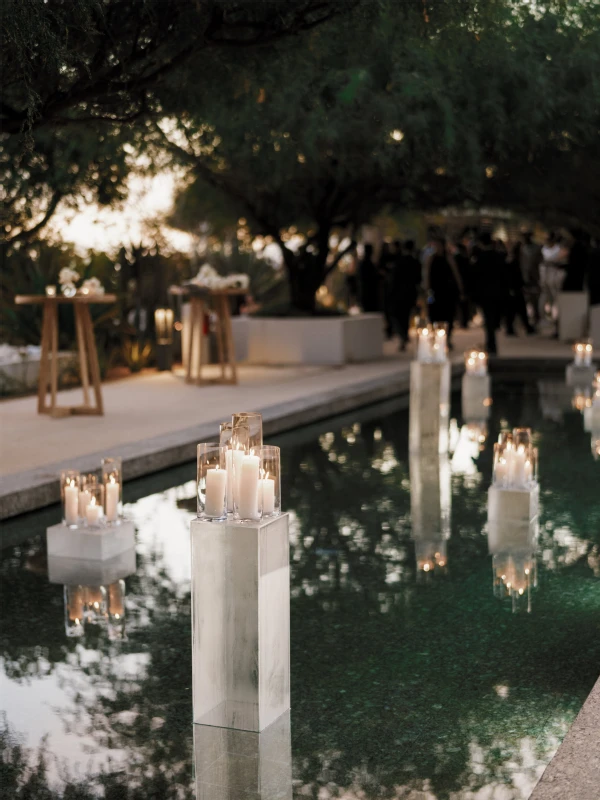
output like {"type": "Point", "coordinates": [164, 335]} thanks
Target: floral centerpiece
{"type": "Point", "coordinates": [68, 278]}
{"type": "Point", "coordinates": [209, 278]}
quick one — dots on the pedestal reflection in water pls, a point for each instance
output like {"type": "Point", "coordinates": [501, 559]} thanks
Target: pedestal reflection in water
{"type": "Point", "coordinates": [244, 765]}
{"type": "Point", "coordinates": [513, 545]}
{"type": "Point", "coordinates": [240, 622]}
{"type": "Point", "coordinates": [429, 406]}
{"type": "Point", "coordinates": [94, 592]}
{"type": "Point", "coordinates": [430, 504]}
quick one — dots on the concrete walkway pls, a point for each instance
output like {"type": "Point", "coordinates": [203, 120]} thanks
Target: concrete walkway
{"type": "Point", "coordinates": [154, 420]}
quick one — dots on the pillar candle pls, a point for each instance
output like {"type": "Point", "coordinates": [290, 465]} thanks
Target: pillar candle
{"type": "Point", "coordinates": [93, 512]}
{"type": "Point", "coordinates": [247, 499]}
{"type": "Point", "coordinates": [216, 486]}
{"type": "Point", "coordinates": [71, 504]}
{"type": "Point", "coordinates": [501, 472]}
{"type": "Point", "coordinates": [233, 461]}
{"type": "Point", "coordinates": [518, 466]}
{"type": "Point", "coordinates": [75, 605]}
{"type": "Point", "coordinates": [113, 491]}
{"type": "Point", "coordinates": [266, 488]}
{"type": "Point", "coordinates": [115, 599]}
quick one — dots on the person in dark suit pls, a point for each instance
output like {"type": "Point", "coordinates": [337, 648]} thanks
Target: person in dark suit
{"type": "Point", "coordinates": [369, 281]}
{"type": "Point", "coordinates": [404, 288]}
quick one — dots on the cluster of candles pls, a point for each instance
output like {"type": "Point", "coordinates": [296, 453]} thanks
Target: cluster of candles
{"type": "Point", "coordinates": [476, 362]}
{"type": "Point", "coordinates": [239, 477]}
{"type": "Point", "coordinates": [91, 502]}
{"type": "Point", "coordinates": [515, 460]}
{"type": "Point", "coordinates": [432, 343]}
{"type": "Point", "coordinates": [583, 352]}
{"type": "Point", "coordinates": [98, 605]}
{"type": "Point", "coordinates": [515, 574]}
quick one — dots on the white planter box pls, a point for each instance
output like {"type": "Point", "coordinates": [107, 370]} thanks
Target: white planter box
{"type": "Point", "coordinates": [309, 340]}
{"type": "Point", "coordinates": [572, 315]}
{"type": "Point", "coordinates": [21, 376]}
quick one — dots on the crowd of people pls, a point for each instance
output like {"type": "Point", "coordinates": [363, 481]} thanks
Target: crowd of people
{"type": "Point", "coordinates": [450, 281]}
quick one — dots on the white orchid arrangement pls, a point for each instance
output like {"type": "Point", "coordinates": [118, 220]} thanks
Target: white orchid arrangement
{"type": "Point", "coordinates": [68, 277]}
{"type": "Point", "coordinates": [209, 278]}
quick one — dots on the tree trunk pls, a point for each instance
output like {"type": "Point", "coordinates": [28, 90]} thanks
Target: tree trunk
{"type": "Point", "coordinates": [305, 275]}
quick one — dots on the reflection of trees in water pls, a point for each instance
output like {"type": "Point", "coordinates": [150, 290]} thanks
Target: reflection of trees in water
{"type": "Point", "coordinates": [394, 683]}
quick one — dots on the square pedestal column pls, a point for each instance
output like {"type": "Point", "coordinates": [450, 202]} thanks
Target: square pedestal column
{"type": "Point", "coordinates": [429, 407]}
{"type": "Point", "coordinates": [430, 498]}
{"type": "Point", "coordinates": [234, 764]}
{"type": "Point", "coordinates": [580, 377]}
{"type": "Point", "coordinates": [513, 505]}
{"type": "Point", "coordinates": [572, 315]}
{"type": "Point", "coordinates": [595, 324]}
{"type": "Point", "coordinates": [240, 623]}
{"type": "Point", "coordinates": [591, 418]}
{"type": "Point", "coordinates": [93, 544]}
{"type": "Point", "coordinates": [508, 536]}
{"type": "Point", "coordinates": [476, 397]}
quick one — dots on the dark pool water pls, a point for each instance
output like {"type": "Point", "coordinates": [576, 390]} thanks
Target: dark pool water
{"type": "Point", "coordinates": [404, 684]}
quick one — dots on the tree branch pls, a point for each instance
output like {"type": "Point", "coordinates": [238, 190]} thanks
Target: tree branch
{"type": "Point", "coordinates": [26, 234]}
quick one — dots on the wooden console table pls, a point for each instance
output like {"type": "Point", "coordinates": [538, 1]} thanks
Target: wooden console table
{"type": "Point", "coordinates": [200, 299]}
{"type": "Point", "coordinates": [86, 346]}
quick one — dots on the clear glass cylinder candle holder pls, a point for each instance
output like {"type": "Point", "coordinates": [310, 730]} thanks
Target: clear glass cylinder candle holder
{"type": "Point", "coordinates": [583, 353]}
{"type": "Point", "coordinates": [112, 485]}
{"type": "Point", "coordinates": [500, 474]}
{"type": "Point", "coordinates": [116, 610]}
{"type": "Point", "coordinates": [424, 339]}
{"type": "Point", "coordinates": [94, 516]}
{"type": "Point", "coordinates": [50, 291]}
{"type": "Point", "coordinates": [439, 343]}
{"type": "Point", "coordinates": [69, 496]}
{"type": "Point", "coordinates": [87, 485]}
{"type": "Point", "coordinates": [211, 483]}
{"type": "Point", "coordinates": [269, 484]}
{"type": "Point", "coordinates": [95, 604]}
{"type": "Point", "coordinates": [521, 436]}
{"type": "Point", "coordinates": [74, 610]}
{"type": "Point", "coordinates": [247, 431]}
{"type": "Point", "coordinates": [476, 362]}
{"type": "Point", "coordinates": [226, 441]}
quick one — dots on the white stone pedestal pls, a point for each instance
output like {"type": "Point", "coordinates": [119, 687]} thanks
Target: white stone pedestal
{"type": "Point", "coordinates": [591, 418]}
{"type": "Point", "coordinates": [572, 315]}
{"type": "Point", "coordinates": [240, 623]}
{"type": "Point", "coordinates": [94, 544]}
{"type": "Point", "coordinates": [595, 324]}
{"type": "Point", "coordinates": [476, 397]}
{"type": "Point", "coordinates": [513, 505]}
{"type": "Point", "coordinates": [429, 407]}
{"type": "Point", "coordinates": [582, 377]}
{"type": "Point", "coordinates": [74, 571]}
{"type": "Point", "coordinates": [241, 764]}
{"type": "Point", "coordinates": [508, 536]}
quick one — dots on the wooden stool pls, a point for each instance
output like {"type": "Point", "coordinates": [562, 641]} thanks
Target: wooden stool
{"type": "Point", "coordinates": [89, 367]}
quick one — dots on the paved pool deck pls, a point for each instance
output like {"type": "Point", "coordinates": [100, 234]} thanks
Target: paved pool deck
{"type": "Point", "coordinates": [154, 420]}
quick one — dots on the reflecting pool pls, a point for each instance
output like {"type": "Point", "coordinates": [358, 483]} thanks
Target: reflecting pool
{"type": "Point", "coordinates": [411, 677]}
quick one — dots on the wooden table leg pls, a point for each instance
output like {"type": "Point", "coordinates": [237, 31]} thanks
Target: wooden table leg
{"type": "Point", "coordinates": [229, 339]}
{"type": "Point", "coordinates": [44, 358]}
{"type": "Point", "coordinates": [54, 362]}
{"type": "Point", "coordinates": [221, 336]}
{"type": "Point", "coordinates": [92, 355]}
{"type": "Point", "coordinates": [190, 342]}
{"type": "Point", "coordinates": [198, 311]}
{"type": "Point", "coordinates": [83, 364]}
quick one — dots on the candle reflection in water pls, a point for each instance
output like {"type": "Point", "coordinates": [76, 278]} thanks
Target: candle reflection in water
{"type": "Point", "coordinates": [430, 504]}
{"type": "Point", "coordinates": [512, 546]}
{"type": "Point", "coordinates": [95, 605]}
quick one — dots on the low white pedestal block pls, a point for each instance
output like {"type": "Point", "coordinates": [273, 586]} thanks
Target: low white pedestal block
{"type": "Point", "coordinates": [240, 623]}
{"type": "Point", "coordinates": [514, 505]}
{"type": "Point", "coordinates": [74, 571]}
{"type": "Point", "coordinates": [429, 407]}
{"type": "Point", "coordinates": [476, 397]}
{"type": "Point", "coordinates": [315, 340]}
{"type": "Point", "coordinates": [241, 764]}
{"type": "Point", "coordinates": [582, 377]}
{"type": "Point", "coordinates": [594, 328]}
{"type": "Point", "coordinates": [92, 544]}
{"type": "Point", "coordinates": [572, 315]}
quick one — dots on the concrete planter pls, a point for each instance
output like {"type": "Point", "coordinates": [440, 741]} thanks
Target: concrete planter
{"type": "Point", "coordinates": [308, 340]}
